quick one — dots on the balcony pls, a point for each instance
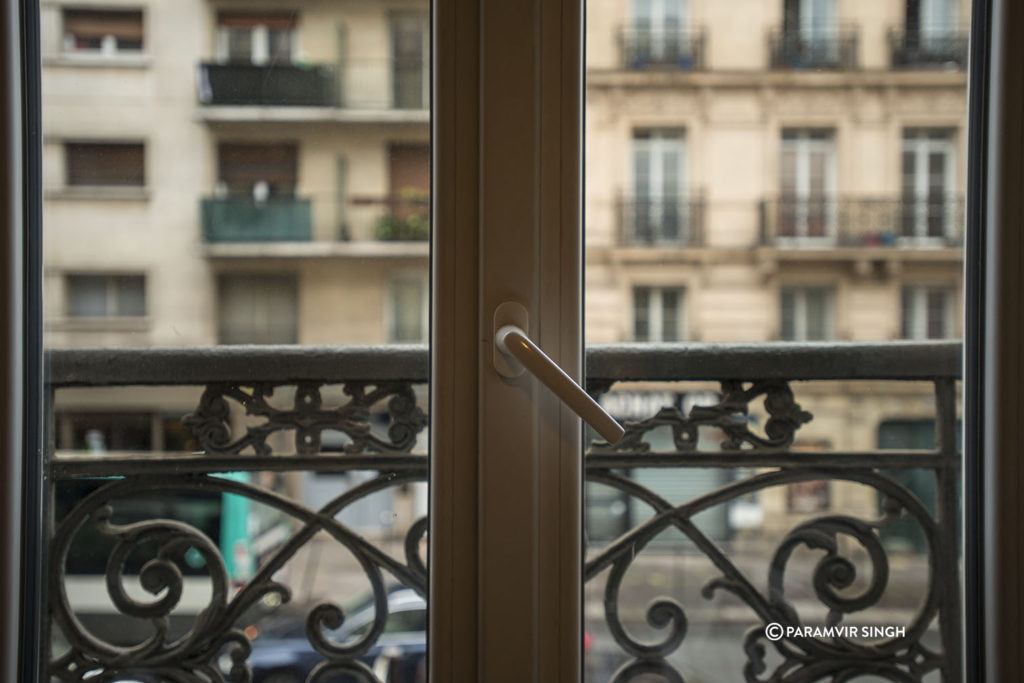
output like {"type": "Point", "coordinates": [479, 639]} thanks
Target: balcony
{"type": "Point", "coordinates": [831, 50]}
{"type": "Point", "coordinates": [356, 90]}
{"type": "Point", "coordinates": [673, 222]}
{"type": "Point", "coordinates": [648, 48]}
{"type": "Point", "coordinates": [919, 50]}
{"type": "Point", "coordinates": [887, 223]}
{"type": "Point", "coordinates": [279, 85]}
{"type": "Point", "coordinates": [243, 219]}
{"type": "Point", "coordinates": [257, 411]}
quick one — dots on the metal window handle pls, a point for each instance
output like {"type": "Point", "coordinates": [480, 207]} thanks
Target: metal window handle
{"type": "Point", "coordinates": [511, 340]}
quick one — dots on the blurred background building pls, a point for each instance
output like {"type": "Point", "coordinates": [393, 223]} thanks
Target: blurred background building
{"type": "Point", "coordinates": [227, 172]}
{"type": "Point", "coordinates": [231, 173]}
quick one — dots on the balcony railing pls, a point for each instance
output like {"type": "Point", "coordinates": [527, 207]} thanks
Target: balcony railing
{"type": "Point", "coordinates": [359, 85]}
{"type": "Point", "coordinates": [792, 49]}
{"type": "Point", "coordinates": [756, 415]}
{"type": "Point", "coordinates": [862, 222]}
{"type": "Point", "coordinates": [669, 221]}
{"type": "Point", "coordinates": [277, 85]}
{"type": "Point", "coordinates": [243, 219]}
{"type": "Point", "coordinates": [644, 48]}
{"type": "Point", "coordinates": [922, 50]}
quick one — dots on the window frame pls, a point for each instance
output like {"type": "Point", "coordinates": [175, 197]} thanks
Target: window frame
{"type": "Point", "coordinates": [112, 300]}
{"type": "Point", "coordinates": [801, 320]}
{"type": "Point", "coordinates": [102, 53]}
{"type": "Point", "coordinates": [99, 147]}
{"type": "Point", "coordinates": [994, 336]}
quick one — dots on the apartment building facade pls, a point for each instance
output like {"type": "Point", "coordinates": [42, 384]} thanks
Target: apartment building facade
{"type": "Point", "coordinates": [227, 172]}
{"type": "Point", "coordinates": [218, 172]}
{"type": "Point", "coordinates": [764, 171]}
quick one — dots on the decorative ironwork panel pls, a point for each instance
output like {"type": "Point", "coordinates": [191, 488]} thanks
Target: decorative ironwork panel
{"type": "Point", "coordinates": [241, 423]}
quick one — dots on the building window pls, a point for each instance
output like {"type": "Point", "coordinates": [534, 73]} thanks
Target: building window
{"type": "Point", "coordinates": [928, 183]}
{"type": "Point", "coordinates": [932, 21]}
{"type": "Point", "coordinates": [258, 170]}
{"type": "Point", "coordinates": [410, 57]}
{"type": "Point", "coordinates": [807, 202]}
{"type": "Point", "coordinates": [106, 32]}
{"type": "Point", "coordinates": [258, 309]}
{"type": "Point", "coordinates": [105, 296]}
{"type": "Point", "coordinates": [810, 36]}
{"type": "Point", "coordinates": [256, 37]}
{"type": "Point", "coordinates": [659, 34]}
{"type": "Point", "coordinates": [806, 314]}
{"type": "Point", "coordinates": [407, 309]}
{"type": "Point", "coordinates": [658, 211]}
{"type": "Point", "coordinates": [658, 314]}
{"type": "Point", "coordinates": [114, 164]}
{"type": "Point", "coordinates": [927, 313]}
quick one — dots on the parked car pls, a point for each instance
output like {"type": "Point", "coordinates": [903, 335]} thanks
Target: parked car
{"type": "Point", "coordinates": [281, 652]}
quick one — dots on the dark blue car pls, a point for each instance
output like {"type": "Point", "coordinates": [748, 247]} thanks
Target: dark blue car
{"type": "Point", "coordinates": [281, 653]}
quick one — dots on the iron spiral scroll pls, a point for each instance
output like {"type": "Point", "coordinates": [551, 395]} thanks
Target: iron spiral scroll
{"type": "Point", "coordinates": [842, 584]}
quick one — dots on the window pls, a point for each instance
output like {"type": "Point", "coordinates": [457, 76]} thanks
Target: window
{"type": "Point", "coordinates": [407, 309]}
{"type": "Point", "coordinates": [106, 32]}
{"type": "Point", "coordinates": [116, 164]}
{"type": "Point", "coordinates": [927, 313]}
{"type": "Point", "coordinates": [658, 314]}
{"type": "Point", "coordinates": [928, 183]}
{"type": "Point", "coordinates": [659, 207]}
{"type": "Point", "coordinates": [410, 60]}
{"type": "Point", "coordinates": [105, 296]}
{"type": "Point", "coordinates": [806, 313]}
{"type": "Point", "coordinates": [807, 205]}
{"type": "Point", "coordinates": [931, 20]}
{"type": "Point", "coordinates": [258, 169]}
{"type": "Point", "coordinates": [810, 36]}
{"type": "Point", "coordinates": [256, 37]}
{"type": "Point", "coordinates": [258, 309]}
{"type": "Point", "coordinates": [659, 33]}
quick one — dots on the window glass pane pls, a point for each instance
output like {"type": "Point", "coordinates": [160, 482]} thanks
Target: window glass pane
{"type": "Point", "coordinates": [908, 323]}
{"type": "Point", "coordinates": [671, 310]}
{"type": "Point", "coordinates": [130, 295]}
{"type": "Point", "coordinates": [641, 314]}
{"type": "Point", "coordinates": [408, 312]}
{"type": "Point", "coordinates": [230, 191]}
{"type": "Point", "coordinates": [817, 212]}
{"type": "Point", "coordinates": [818, 314]}
{"type": "Point", "coordinates": [107, 30]}
{"type": "Point", "coordinates": [96, 163]}
{"type": "Point", "coordinates": [788, 329]}
{"type": "Point", "coordinates": [937, 313]}
{"type": "Point", "coordinates": [87, 295]}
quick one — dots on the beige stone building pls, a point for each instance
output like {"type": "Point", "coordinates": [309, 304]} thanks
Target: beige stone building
{"type": "Point", "coordinates": [224, 172]}
{"type": "Point", "coordinates": [219, 171]}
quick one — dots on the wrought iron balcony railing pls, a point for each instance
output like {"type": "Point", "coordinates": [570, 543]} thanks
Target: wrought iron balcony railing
{"type": "Point", "coordinates": [644, 48]}
{"type": "Point", "coordinates": [362, 85]}
{"type": "Point", "coordinates": [666, 221]}
{"type": "Point", "coordinates": [862, 222]}
{"type": "Point", "coordinates": [248, 398]}
{"type": "Point", "coordinates": [922, 50]}
{"type": "Point", "coordinates": [795, 49]}
{"type": "Point", "coordinates": [276, 85]}
{"type": "Point", "coordinates": [243, 219]}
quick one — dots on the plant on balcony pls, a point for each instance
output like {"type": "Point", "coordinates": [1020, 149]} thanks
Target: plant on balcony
{"type": "Point", "coordinates": [412, 225]}
{"type": "Point", "coordinates": [413, 228]}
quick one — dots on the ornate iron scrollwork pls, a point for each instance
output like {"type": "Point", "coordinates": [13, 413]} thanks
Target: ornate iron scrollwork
{"type": "Point", "coordinates": [785, 416]}
{"type": "Point", "coordinates": [192, 658]}
{"type": "Point", "coordinates": [804, 658]}
{"type": "Point", "coordinates": [211, 421]}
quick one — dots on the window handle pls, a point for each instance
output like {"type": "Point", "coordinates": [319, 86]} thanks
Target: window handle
{"type": "Point", "coordinates": [511, 340]}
